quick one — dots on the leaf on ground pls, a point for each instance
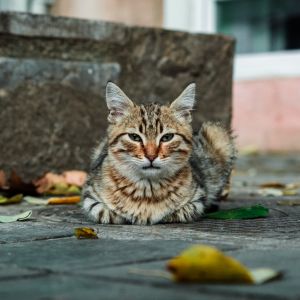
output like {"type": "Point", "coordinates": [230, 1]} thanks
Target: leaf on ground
{"type": "Point", "coordinates": [206, 264]}
{"type": "Point", "coordinates": [252, 212]}
{"type": "Point", "coordinates": [19, 217]}
{"type": "Point", "coordinates": [63, 189]}
{"type": "Point", "coordinates": [290, 192]}
{"type": "Point", "coordinates": [85, 233]}
{"type": "Point", "coordinates": [276, 192]}
{"type": "Point", "coordinates": [11, 200]}
{"type": "Point", "coordinates": [52, 200]}
{"type": "Point", "coordinates": [17, 186]}
{"type": "Point", "coordinates": [75, 177]}
{"type": "Point", "coordinates": [289, 202]}
{"type": "Point", "coordinates": [36, 200]}
{"type": "Point", "coordinates": [64, 200]}
{"type": "Point", "coordinates": [273, 184]}
{"type": "Point", "coordinates": [272, 192]}
{"type": "Point", "coordinates": [65, 184]}
{"type": "Point", "coordinates": [3, 181]}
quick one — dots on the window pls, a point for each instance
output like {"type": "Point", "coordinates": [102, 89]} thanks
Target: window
{"type": "Point", "coordinates": [260, 25]}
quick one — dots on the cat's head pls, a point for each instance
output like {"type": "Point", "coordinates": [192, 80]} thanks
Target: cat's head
{"type": "Point", "coordinates": [149, 141]}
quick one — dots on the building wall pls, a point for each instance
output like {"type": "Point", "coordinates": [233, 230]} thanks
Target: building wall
{"type": "Point", "coordinates": [132, 12]}
{"type": "Point", "coordinates": [266, 114]}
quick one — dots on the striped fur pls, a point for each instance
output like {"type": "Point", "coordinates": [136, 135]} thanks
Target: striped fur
{"type": "Point", "coordinates": [151, 168]}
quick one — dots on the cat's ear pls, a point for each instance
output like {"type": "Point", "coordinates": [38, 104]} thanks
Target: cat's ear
{"type": "Point", "coordinates": [183, 105]}
{"type": "Point", "coordinates": [117, 102]}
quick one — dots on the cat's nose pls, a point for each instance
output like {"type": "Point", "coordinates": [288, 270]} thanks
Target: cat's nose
{"type": "Point", "coordinates": [151, 157]}
{"type": "Point", "coordinates": [151, 151]}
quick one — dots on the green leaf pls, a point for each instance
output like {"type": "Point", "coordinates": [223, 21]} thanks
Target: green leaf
{"type": "Point", "coordinates": [20, 217]}
{"type": "Point", "coordinates": [252, 212]}
{"type": "Point", "coordinates": [15, 199]}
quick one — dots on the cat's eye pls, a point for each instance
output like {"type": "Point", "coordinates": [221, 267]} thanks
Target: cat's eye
{"type": "Point", "coordinates": [135, 137]}
{"type": "Point", "coordinates": [167, 137]}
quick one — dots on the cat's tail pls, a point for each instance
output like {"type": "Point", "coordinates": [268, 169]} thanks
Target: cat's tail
{"type": "Point", "coordinates": [213, 157]}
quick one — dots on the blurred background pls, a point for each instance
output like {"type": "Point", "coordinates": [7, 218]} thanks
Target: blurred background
{"type": "Point", "coordinates": [266, 91]}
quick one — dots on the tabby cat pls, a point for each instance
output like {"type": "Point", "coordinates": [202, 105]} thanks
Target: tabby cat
{"type": "Point", "coordinates": [151, 169]}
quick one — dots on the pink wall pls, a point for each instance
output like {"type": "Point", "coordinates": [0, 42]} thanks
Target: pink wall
{"type": "Point", "coordinates": [266, 114]}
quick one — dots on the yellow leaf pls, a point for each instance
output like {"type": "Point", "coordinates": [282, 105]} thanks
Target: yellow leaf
{"type": "Point", "coordinates": [12, 200]}
{"type": "Point", "coordinates": [85, 233]}
{"type": "Point", "coordinates": [202, 263]}
{"type": "Point", "coordinates": [64, 200]}
{"type": "Point", "coordinates": [206, 264]}
{"type": "Point", "coordinates": [290, 192]}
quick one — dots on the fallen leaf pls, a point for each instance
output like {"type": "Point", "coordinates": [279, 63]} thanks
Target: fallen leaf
{"type": "Point", "coordinates": [271, 192]}
{"type": "Point", "coordinates": [19, 217]}
{"type": "Point", "coordinates": [75, 177]}
{"type": "Point", "coordinates": [63, 189]}
{"type": "Point", "coordinates": [17, 186]}
{"type": "Point", "coordinates": [289, 202]}
{"type": "Point", "coordinates": [85, 233]}
{"type": "Point", "coordinates": [46, 182]}
{"type": "Point", "coordinates": [12, 200]}
{"type": "Point", "coordinates": [36, 200]}
{"type": "Point", "coordinates": [3, 181]}
{"type": "Point", "coordinates": [275, 185]}
{"type": "Point", "coordinates": [65, 184]}
{"type": "Point", "coordinates": [52, 200]}
{"type": "Point", "coordinates": [294, 185]}
{"type": "Point", "coordinates": [64, 200]}
{"type": "Point", "coordinates": [290, 192]}
{"type": "Point", "coordinates": [250, 150]}
{"type": "Point", "coordinates": [252, 212]}
{"type": "Point", "coordinates": [206, 264]}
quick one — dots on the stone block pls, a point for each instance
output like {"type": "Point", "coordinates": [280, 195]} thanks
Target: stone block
{"type": "Point", "coordinates": [53, 71]}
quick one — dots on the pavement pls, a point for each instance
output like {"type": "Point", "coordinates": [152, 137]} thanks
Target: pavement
{"type": "Point", "coordinates": [41, 258]}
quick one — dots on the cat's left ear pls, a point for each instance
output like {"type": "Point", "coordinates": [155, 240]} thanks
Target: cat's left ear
{"type": "Point", "coordinates": [183, 105]}
{"type": "Point", "coordinates": [118, 103]}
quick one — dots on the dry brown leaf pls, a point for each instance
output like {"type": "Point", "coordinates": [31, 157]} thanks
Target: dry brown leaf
{"type": "Point", "coordinates": [85, 233]}
{"type": "Point", "coordinates": [274, 185]}
{"type": "Point", "coordinates": [3, 181]}
{"type": "Point", "coordinates": [17, 186]}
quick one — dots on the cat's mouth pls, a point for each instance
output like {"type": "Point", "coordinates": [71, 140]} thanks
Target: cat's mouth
{"type": "Point", "coordinates": [151, 168]}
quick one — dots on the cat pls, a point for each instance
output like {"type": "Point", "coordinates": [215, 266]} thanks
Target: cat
{"type": "Point", "coordinates": [150, 168]}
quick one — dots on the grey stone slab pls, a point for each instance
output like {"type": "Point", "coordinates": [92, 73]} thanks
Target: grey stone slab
{"type": "Point", "coordinates": [66, 287]}
{"type": "Point", "coordinates": [71, 254]}
{"type": "Point", "coordinates": [31, 231]}
{"type": "Point", "coordinates": [50, 110]}
{"type": "Point", "coordinates": [51, 105]}
{"type": "Point", "coordinates": [13, 272]}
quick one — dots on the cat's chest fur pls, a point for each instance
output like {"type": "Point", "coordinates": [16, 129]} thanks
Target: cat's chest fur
{"type": "Point", "coordinates": [145, 201]}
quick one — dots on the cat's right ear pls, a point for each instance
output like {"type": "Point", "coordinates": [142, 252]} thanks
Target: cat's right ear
{"type": "Point", "coordinates": [117, 102]}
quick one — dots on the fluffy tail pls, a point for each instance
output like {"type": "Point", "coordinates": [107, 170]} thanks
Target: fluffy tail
{"type": "Point", "coordinates": [213, 157]}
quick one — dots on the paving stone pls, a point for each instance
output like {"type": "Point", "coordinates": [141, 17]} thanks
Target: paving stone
{"type": "Point", "coordinates": [286, 261]}
{"type": "Point", "coordinates": [41, 259]}
{"type": "Point", "coordinates": [66, 287]}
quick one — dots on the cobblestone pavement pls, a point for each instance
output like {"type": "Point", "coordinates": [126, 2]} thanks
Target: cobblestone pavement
{"type": "Point", "coordinates": [41, 259]}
